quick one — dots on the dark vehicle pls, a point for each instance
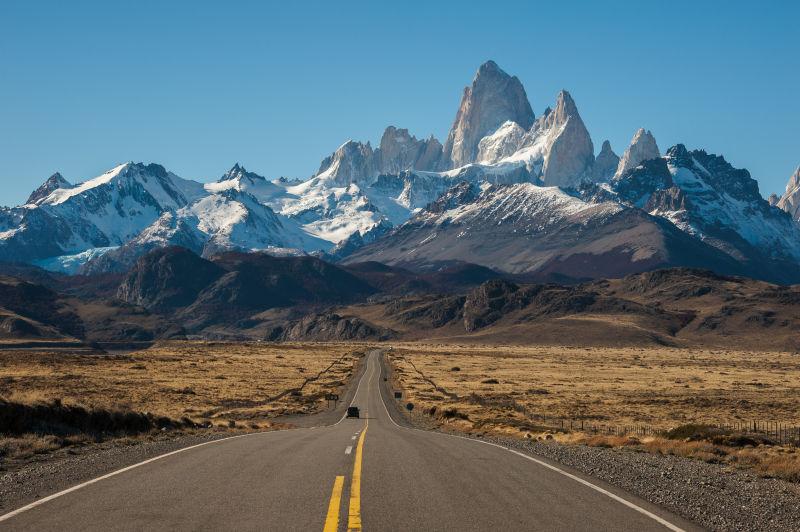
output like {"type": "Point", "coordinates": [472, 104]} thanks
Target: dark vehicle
{"type": "Point", "coordinates": [352, 411]}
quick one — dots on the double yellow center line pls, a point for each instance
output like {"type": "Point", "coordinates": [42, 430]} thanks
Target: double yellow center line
{"type": "Point", "coordinates": [354, 513]}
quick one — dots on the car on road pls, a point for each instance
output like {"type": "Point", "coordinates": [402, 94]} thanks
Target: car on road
{"type": "Point", "coordinates": [352, 411]}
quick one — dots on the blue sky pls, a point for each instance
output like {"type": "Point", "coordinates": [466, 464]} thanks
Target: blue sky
{"type": "Point", "coordinates": [278, 86]}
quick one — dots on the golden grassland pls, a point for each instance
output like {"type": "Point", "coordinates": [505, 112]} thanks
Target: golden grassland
{"type": "Point", "coordinates": [658, 387]}
{"type": "Point", "coordinates": [508, 390]}
{"type": "Point", "coordinates": [229, 387]}
{"type": "Point", "coordinates": [199, 380]}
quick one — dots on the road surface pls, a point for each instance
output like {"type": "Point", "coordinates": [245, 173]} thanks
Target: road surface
{"type": "Point", "coordinates": [369, 473]}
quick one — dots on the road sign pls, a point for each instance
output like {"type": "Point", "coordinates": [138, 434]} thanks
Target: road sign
{"type": "Point", "coordinates": [332, 397]}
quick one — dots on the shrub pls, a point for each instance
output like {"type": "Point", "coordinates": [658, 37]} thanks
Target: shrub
{"type": "Point", "coordinates": [57, 419]}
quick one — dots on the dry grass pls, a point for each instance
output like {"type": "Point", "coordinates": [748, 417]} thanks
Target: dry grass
{"type": "Point", "coordinates": [240, 387]}
{"type": "Point", "coordinates": [506, 390]}
{"type": "Point", "coordinates": [658, 387]}
{"type": "Point", "coordinates": [203, 381]}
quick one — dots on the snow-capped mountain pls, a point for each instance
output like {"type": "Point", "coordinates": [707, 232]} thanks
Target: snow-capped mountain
{"type": "Point", "coordinates": [525, 228]}
{"type": "Point", "coordinates": [54, 182]}
{"type": "Point", "coordinates": [239, 179]}
{"type": "Point", "coordinates": [507, 190]}
{"type": "Point", "coordinates": [103, 212]}
{"type": "Point", "coordinates": [705, 196]}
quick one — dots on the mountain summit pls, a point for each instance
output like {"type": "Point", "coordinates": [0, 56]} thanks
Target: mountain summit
{"type": "Point", "coordinates": [54, 182]}
{"type": "Point", "coordinates": [494, 98]}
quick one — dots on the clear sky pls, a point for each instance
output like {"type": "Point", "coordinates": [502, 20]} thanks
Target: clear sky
{"type": "Point", "coordinates": [198, 86]}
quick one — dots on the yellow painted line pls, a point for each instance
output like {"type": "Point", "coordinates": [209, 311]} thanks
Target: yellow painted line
{"type": "Point", "coordinates": [354, 515]}
{"type": "Point", "coordinates": [332, 521]}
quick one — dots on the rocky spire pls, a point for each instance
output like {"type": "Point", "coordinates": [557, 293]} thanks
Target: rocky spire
{"type": "Point", "coordinates": [605, 165]}
{"type": "Point", "coordinates": [353, 162]}
{"type": "Point", "coordinates": [239, 172]}
{"type": "Point", "coordinates": [53, 182]}
{"type": "Point", "coordinates": [790, 201]}
{"type": "Point", "coordinates": [571, 153]}
{"type": "Point", "coordinates": [493, 98]}
{"type": "Point", "coordinates": [401, 151]}
{"type": "Point", "coordinates": [643, 147]}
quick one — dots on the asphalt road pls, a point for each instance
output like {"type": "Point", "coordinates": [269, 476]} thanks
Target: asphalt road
{"type": "Point", "coordinates": [370, 473]}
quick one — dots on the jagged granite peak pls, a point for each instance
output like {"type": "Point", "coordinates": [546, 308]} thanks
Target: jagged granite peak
{"type": "Point", "coordinates": [706, 197]}
{"type": "Point", "coordinates": [790, 201]}
{"type": "Point", "coordinates": [570, 156]}
{"type": "Point", "coordinates": [605, 164]}
{"type": "Point", "coordinates": [493, 98]}
{"type": "Point", "coordinates": [643, 147]}
{"type": "Point", "coordinates": [400, 151]}
{"type": "Point", "coordinates": [773, 199]}
{"type": "Point", "coordinates": [53, 182]}
{"type": "Point", "coordinates": [239, 172]}
{"type": "Point", "coordinates": [352, 162]}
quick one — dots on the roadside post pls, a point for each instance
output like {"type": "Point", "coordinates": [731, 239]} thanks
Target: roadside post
{"type": "Point", "coordinates": [332, 397]}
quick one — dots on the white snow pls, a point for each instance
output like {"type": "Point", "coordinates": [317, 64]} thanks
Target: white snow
{"type": "Point", "coordinates": [70, 264]}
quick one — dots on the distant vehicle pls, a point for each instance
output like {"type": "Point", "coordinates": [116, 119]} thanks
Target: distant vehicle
{"type": "Point", "coordinates": [352, 411]}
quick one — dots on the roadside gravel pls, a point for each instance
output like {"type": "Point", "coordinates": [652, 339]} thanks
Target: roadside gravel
{"type": "Point", "coordinates": [713, 496]}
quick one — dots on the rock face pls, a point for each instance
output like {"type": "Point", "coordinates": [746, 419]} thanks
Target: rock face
{"type": "Point", "coordinates": [330, 326]}
{"type": "Point", "coordinates": [494, 98]}
{"type": "Point", "coordinates": [167, 278]}
{"type": "Point", "coordinates": [400, 151]}
{"type": "Point", "coordinates": [605, 165]}
{"type": "Point", "coordinates": [353, 162]}
{"type": "Point", "coordinates": [790, 201]}
{"type": "Point", "coordinates": [557, 149]}
{"type": "Point", "coordinates": [643, 147]}
{"type": "Point", "coordinates": [571, 154]}
{"type": "Point", "coordinates": [53, 182]}
{"type": "Point", "coordinates": [490, 302]}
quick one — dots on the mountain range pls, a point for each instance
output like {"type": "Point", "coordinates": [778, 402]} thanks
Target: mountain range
{"type": "Point", "coordinates": [508, 190]}
{"type": "Point", "coordinates": [173, 293]}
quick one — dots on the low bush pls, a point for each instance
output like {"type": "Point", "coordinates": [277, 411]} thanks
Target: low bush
{"type": "Point", "coordinates": [57, 419]}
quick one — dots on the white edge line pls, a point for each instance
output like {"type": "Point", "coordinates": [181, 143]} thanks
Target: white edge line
{"type": "Point", "coordinates": [617, 498]}
{"type": "Point", "coordinates": [61, 493]}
